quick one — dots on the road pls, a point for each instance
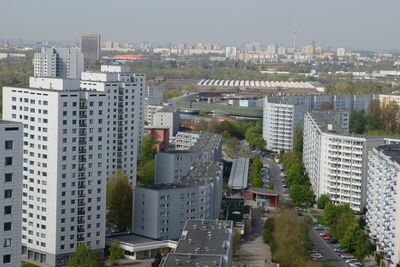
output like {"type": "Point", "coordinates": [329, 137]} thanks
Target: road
{"type": "Point", "coordinates": [274, 174]}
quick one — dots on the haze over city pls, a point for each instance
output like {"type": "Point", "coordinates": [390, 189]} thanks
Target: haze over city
{"type": "Point", "coordinates": [362, 24]}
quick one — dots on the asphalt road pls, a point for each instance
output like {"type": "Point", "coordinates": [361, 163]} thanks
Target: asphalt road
{"type": "Point", "coordinates": [274, 174]}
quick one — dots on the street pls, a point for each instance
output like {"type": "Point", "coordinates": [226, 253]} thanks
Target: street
{"type": "Point", "coordinates": [274, 174]}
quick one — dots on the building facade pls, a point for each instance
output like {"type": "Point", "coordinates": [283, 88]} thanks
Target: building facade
{"type": "Point", "coordinates": [172, 165]}
{"type": "Point", "coordinates": [64, 166]}
{"type": "Point", "coordinates": [160, 136]}
{"type": "Point", "coordinates": [10, 193]}
{"type": "Point", "coordinates": [383, 210]}
{"type": "Point", "coordinates": [154, 95]}
{"type": "Point", "coordinates": [58, 63]}
{"type": "Point", "coordinates": [161, 210]}
{"type": "Point", "coordinates": [168, 116]}
{"type": "Point", "coordinates": [125, 114]}
{"type": "Point", "coordinates": [336, 161]}
{"type": "Point", "coordinates": [90, 47]}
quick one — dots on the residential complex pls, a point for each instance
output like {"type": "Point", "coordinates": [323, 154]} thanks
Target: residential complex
{"type": "Point", "coordinates": [58, 63]}
{"type": "Point", "coordinates": [203, 243]}
{"type": "Point", "coordinates": [172, 165]}
{"type": "Point", "coordinates": [383, 210]}
{"type": "Point", "coordinates": [90, 47]}
{"type": "Point", "coordinates": [64, 169]}
{"type": "Point", "coordinates": [281, 114]}
{"type": "Point", "coordinates": [10, 192]}
{"type": "Point", "coordinates": [153, 95]}
{"type": "Point", "coordinates": [161, 210]}
{"type": "Point", "coordinates": [167, 116]}
{"type": "Point", "coordinates": [336, 161]}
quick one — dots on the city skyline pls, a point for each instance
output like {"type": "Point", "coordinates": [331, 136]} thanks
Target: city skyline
{"type": "Point", "coordinates": [355, 24]}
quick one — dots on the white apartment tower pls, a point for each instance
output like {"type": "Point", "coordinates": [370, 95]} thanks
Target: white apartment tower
{"type": "Point", "coordinates": [125, 114]}
{"type": "Point", "coordinates": [58, 63]}
{"type": "Point", "coordinates": [64, 166]}
{"type": "Point", "coordinates": [383, 210]}
{"type": "Point", "coordinates": [10, 193]}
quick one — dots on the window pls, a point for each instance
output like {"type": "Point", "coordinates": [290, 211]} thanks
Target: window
{"type": "Point", "coordinates": [8, 177]}
{"type": "Point", "coordinates": [6, 258]}
{"type": "Point", "coordinates": [7, 210]}
{"type": "Point", "coordinates": [8, 161]}
{"type": "Point", "coordinates": [7, 226]}
{"type": "Point", "coordinates": [8, 193]}
{"type": "Point", "coordinates": [7, 242]}
{"type": "Point", "coordinates": [8, 144]}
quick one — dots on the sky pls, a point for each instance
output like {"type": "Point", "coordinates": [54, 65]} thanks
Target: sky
{"type": "Point", "coordinates": [362, 24]}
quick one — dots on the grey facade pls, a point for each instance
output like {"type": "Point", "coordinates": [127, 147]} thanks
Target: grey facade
{"type": "Point", "coordinates": [10, 192]}
{"type": "Point", "coordinates": [171, 166]}
{"type": "Point", "coordinates": [203, 243]}
{"type": "Point", "coordinates": [90, 46]}
{"type": "Point", "coordinates": [167, 116]}
{"type": "Point", "coordinates": [161, 210]}
{"type": "Point", "coordinates": [58, 63]}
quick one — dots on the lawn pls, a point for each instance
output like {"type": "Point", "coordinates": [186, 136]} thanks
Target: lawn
{"type": "Point", "coordinates": [27, 264]}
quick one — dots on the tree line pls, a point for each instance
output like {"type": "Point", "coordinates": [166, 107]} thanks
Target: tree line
{"type": "Point", "coordinates": [255, 172]}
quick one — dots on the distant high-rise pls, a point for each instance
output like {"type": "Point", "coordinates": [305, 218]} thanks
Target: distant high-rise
{"type": "Point", "coordinates": [90, 46]}
{"type": "Point", "coordinates": [58, 63]}
{"type": "Point", "coordinates": [341, 52]}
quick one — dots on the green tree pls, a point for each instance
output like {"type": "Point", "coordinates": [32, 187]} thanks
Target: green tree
{"type": "Point", "coordinates": [390, 117]}
{"type": "Point", "coordinates": [323, 201]}
{"type": "Point", "coordinates": [363, 247]}
{"type": "Point", "coordinates": [145, 172]}
{"type": "Point", "coordinates": [350, 237]}
{"type": "Point", "coordinates": [374, 118]}
{"type": "Point", "coordinates": [83, 256]}
{"type": "Point", "coordinates": [298, 139]}
{"type": "Point", "coordinates": [119, 202]}
{"type": "Point", "coordinates": [358, 121]}
{"type": "Point", "coordinates": [300, 193]}
{"type": "Point", "coordinates": [115, 253]}
{"type": "Point", "coordinates": [147, 149]}
{"type": "Point", "coordinates": [157, 260]}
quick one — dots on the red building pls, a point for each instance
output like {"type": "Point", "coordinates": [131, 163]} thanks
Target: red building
{"type": "Point", "coordinates": [160, 135]}
{"type": "Point", "coordinates": [264, 197]}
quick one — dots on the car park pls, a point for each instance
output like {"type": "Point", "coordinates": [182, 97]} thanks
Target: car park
{"type": "Point", "coordinates": [331, 241]}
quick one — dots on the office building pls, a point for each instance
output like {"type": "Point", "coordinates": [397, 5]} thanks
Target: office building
{"type": "Point", "coordinates": [124, 114]}
{"type": "Point", "coordinates": [149, 112]}
{"type": "Point", "coordinates": [58, 63]}
{"type": "Point", "coordinates": [168, 116]}
{"type": "Point", "coordinates": [161, 210]}
{"type": "Point", "coordinates": [10, 193]}
{"type": "Point", "coordinates": [64, 166]}
{"type": "Point", "coordinates": [203, 243]}
{"type": "Point", "coordinates": [90, 47]}
{"type": "Point", "coordinates": [383, 211]}
{"type": "Point", "coordinates": [172, 165]}
{"type": "Point", "coordinates": [281, 114]}
{"type": "Point", "coordinates": [336, 161]}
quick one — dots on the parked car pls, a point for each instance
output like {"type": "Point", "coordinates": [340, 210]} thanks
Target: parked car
{"type": "Point", "coordinates": [318, 227]}
{"type": "Point", "coordinates": [339, 248]}
{"type": "Point", "coordinates": [316, 255]}
{"type": "Point", "coordinates": [331, 241]}
{"type": "Point", "coordinates": [326, 234]}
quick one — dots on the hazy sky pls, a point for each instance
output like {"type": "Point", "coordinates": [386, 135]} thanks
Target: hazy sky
{"type": "Point", "coordinates": [347, 23]}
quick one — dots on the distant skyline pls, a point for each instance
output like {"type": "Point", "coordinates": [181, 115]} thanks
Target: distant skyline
{"type": "Point", "coordinates": [362, 24]}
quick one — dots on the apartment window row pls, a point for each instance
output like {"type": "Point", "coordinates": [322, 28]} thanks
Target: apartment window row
{"type": "Point", "coordinates": [31, 101]}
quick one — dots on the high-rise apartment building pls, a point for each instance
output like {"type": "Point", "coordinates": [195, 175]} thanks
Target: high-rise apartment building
{"type": "Point", "coordinates": [64, 166]}
{"type": "Point", "coordinates": [335, 160]}
{"type": "Point", "coordinates": [58, 63]}
{"type": "Point", "coordinates": [90, 46]}
{"type": "Point", "coordinates": [383, 210]}
{"type": "Point", "coordinates": [125, 114]}
{"type": "Point", "coordinates": [10, 193]}
{"type": "Point", "coordinates": [153, 95]}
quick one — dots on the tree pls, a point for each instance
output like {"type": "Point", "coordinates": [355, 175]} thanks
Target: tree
{"type": "Point", "coordinates": [298, 139]}
{"type": "Point", "coordinates": [350, 237]}
{"type": "Point", "coordinates": [323, 201]}
{"type": "Point", "coordinates": [145, 172]}
{"type": "Point", "coordinates": [119, 202]}
{"type": "Point", "coordinates": [390, 116]}
{"type": "Point", "coordinates": [326, 106]}
{"type": "Point", "coordinates": [358, 121]}
{"type": "Point", "coordinates": [116, 253]}
{"type": "Point", "coordinates": [147, 149]}
{"type": "Point", "coordinates": [300, 193]}
{"type": "Point", "coordinates": [374, 117]}
{"type": "Point", "coordinates": [201, 125]}
{"type": "Point", "coordinates": [363, 247]}
{"type": "Point", "coordinates": [157, 260]}
{"type": "Point", "coordinates": [83, 256]}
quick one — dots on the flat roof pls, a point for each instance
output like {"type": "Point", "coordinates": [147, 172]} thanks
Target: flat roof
{"type": "Point", "coordinates": [239, 175]}
{"type": "Point", "coordinates": [326, 122]}
{"type": "Point", "coordinates": [156, 127]}
{"type": "Point", "coordinates": [185, 260]}
{"type": "Point", "coordinates": [168, 109]}
{"type": "Point", "coordinates": [392, 151]}
{"type": "Point", "coordinates": [131, 238]}
{"type": "Point", "coordinates": [206, 237]}
{"type": "Point", "coordinates": [263, 191]}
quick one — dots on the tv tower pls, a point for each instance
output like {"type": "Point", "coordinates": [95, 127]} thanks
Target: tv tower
{"type": "Point", "coordinates": [294, 38]}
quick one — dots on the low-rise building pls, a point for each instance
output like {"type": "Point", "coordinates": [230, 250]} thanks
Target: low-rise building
{"type": "Point", "coordinates": [149, 112]}
{"type": "Point", "coordinates": [172, 165]}
{"type": "Point", "coordinates": [383, 210]}
{"type": "Point", "coordinates": [161, 210]}
{"type": "Point", "coordinates": [160, 135]}
{"type": "Point", "coordinates": [203, 243]}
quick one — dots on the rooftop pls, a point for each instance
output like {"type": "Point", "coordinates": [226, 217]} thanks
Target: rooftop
{"type": "Point", "coordinates": [207, 237]}
{"type": "Point", "coordinates": [392, 151]}
{"type": "Point", "coordinates": [326, 122]}
{"type": "Point", "coordinates": [168, 109]}
{"type": "Point", "coordinates": [9, 122]}
{"type": "Point", "coordinates": [207, 142]}
{"type": "Point", "coordinates": [264, 191]}
{"type": "Point", "coordinates": [239, 173]}
{"type": "Point", "coordinates": [192, 260]}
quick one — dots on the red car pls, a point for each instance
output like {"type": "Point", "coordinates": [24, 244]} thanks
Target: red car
{"type": "Point", "coordinates": [326, 235]}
